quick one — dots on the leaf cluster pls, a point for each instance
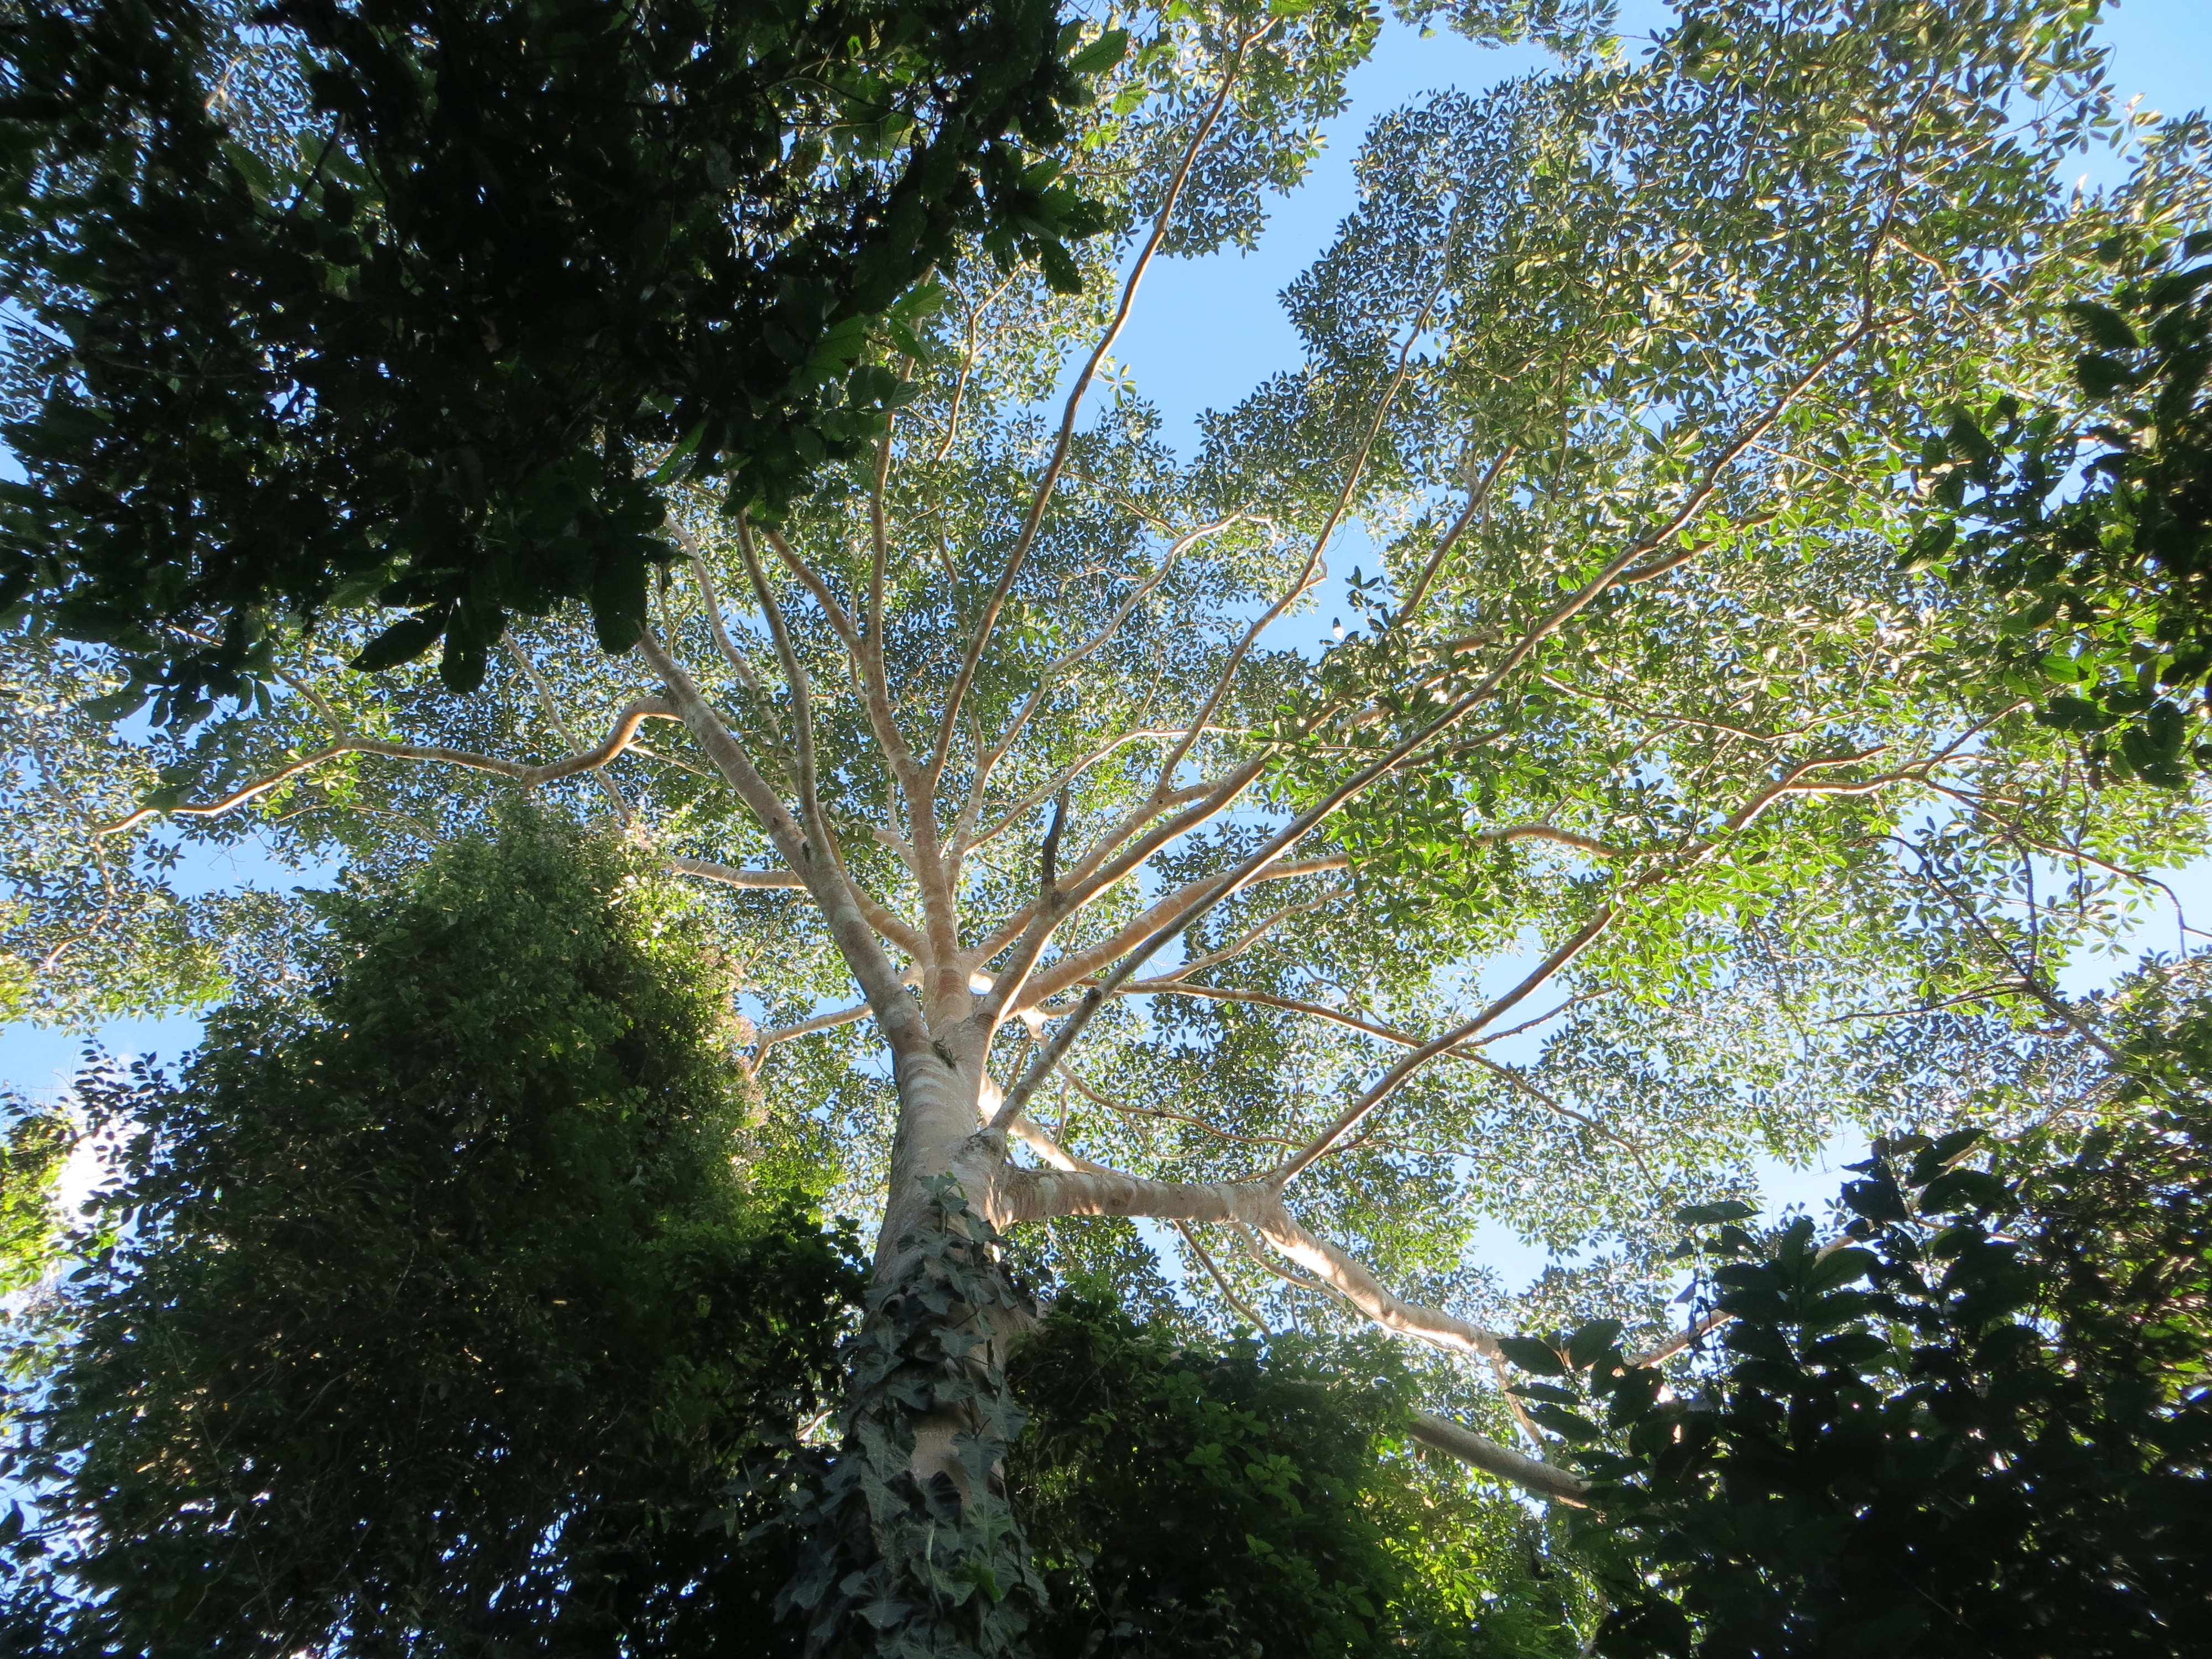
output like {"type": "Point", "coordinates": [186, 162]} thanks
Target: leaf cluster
{"type": "Point", "coordinates": [2109, 573]}
{"type": "Point", "coordinates": [36, 1146]}
{"type": "Point", "coordinates": [1231, 1501]}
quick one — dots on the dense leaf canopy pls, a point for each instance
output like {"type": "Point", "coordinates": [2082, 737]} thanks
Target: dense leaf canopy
{"type": "Point", "coordinates": [408, 300]}
{"type": "Point", "coordinates": [1983, 1428]}
{"type": "Point", "coordinates": [1200, 1502]}
{"type": "Point", "coordinates": [2112, 578]}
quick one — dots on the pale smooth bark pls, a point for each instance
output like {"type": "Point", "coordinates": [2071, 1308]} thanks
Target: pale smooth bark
{"type": "Point", "coordinates": [1485, 1454]}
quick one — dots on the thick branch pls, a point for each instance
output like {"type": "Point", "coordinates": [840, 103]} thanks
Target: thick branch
{"type": "Point", "coordinates": [1486, 1454]}
{"type": "Point", "coordinates": [551, 705]}
{"type": "Point", "coordinates": [832, 892]}
{"type": "Point", "coordinates": [730, 876]}
{"type": "Point", "coordinates": [1037, 1194]}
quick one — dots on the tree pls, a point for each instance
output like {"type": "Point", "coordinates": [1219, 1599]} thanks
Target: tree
{"type": "Point", "coordinates": [319, 303]}
{"type": "Point", "coordinates": [439, 1304]}
{"type": "Point", "coordinates": [1998, 1445]}
{"type": "Point", "coordinates": [1066, 898]}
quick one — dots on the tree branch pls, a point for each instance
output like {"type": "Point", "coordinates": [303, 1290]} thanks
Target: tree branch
{"type": "Point", "coordinates": [988, 763]}
{"type": "Point", "coordinates": [1621, 564]}
{"type": "Point", "coordinates": [1502, 1461]}
{"type": "Point", "coordinates": [731, 876]}
{"type": "Point", "coordinates": [826, 883]}
{"type": "Point", "coordinates": [1266, 620]}
{"type": "Point", "coordinates": [1475, 499]}
{"type": "Point", "coordinates": [625, 730]}
{"type": "Point", "coordinates": [973, 658]}
{"type": "Point", "coordinates": [1387, 1084]}
{"type": "Point", "coordinates": [1213, 1271]}
{"type": "Point", "coordinates": [1096, 998]}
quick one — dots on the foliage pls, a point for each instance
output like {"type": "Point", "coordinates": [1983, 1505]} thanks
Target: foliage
{"type": "Point", "coordinates": [2111, 581]}
{"type": "Point", "coordinates": [1641, 740]}
{"type": "Point", "coordinates": [96, 928]}
{"type": "Point", "coordinates": [33, 1150]}
{"type": "Point", "coordinates": [436, 1307]}
{"type": "Point", "coordinates": [437, 322]}
{"type": "Point", "coordinates": [1195, 1503]}
{"type": "Point", "coordinates": [37, 1144]}
{"type": "Point", "coordinates": [1997, 1446]}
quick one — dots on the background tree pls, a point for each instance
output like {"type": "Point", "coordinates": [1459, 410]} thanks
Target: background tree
{"type": "Point", "coordinates": [1649, 817]}
{"type": "Point", "coordinates": [436, 1308]}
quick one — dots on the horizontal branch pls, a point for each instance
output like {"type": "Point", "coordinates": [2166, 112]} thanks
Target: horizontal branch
{"type": "Point", "coordinates": [625, 730]}
{"type": "Point", "coordinates": [731, 876]}
{"type": "Point", "coordinates": [1040, 1194]}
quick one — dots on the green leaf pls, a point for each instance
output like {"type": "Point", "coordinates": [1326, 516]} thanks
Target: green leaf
{"type": "Point", "coordinates": [1560, 1421]}
{"type": "Point", "coordinates": [1591, 1343]}
{"type": "Point", "coordinates": [1532, 1355]}
{"type": "Point", "coordinates": [116, 704]}
{"type": "Point", "coordinates": [675, 458]}
{"type": "Point", "coordinates": [1061, 274]}
{"type": "Point", "coordinates": [2102, 376]}
{"type": "Point", "coordinates": [1702, 1215]}
{"type": "Point", "coordinates": [1840, 1267]}
{"type": "Point", "coordinates": [1963, 1189]}
{"type": "Point", "coordinates": [404, 642]}
{"type": "Point", "coordinates": [2102, 326]}
{"type": "Point", "coordinates": [1102, 54]}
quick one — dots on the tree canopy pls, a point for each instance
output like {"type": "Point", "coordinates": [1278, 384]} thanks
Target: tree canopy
{"type": "Point", "coordinates": [1658, 812]}
{"type": "Point", "coordinates": [2110, 577]}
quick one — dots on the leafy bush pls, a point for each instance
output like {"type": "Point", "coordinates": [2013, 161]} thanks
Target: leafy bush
{"type": "Point", "coordinates": [1978, 1426]}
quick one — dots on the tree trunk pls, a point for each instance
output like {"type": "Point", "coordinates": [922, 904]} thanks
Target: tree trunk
{"type": "Point", "coordinates": [911, 1548]}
